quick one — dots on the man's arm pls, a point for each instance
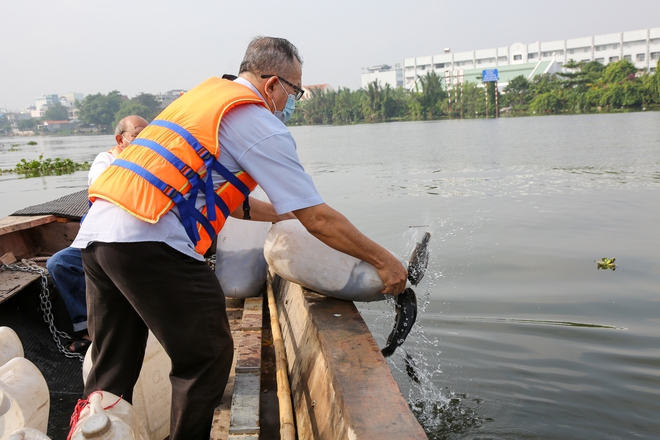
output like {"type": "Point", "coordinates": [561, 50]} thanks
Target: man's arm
{"type": "Point", "coordinates": [333, 229]}
{"type": "Point", "coordinates": [101, 162]}
{"type": "Point", "coordinates": [262, 212]}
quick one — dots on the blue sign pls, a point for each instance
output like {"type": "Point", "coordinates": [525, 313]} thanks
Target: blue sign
{"type": "Point", "coordinates": [489, 75]}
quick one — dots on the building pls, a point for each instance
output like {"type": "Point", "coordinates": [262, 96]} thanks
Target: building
{"type": "Point", "coordinates": [384, 74]}
{"type": "Point", "coordinates": [641, 47]}
{"type": "Point", "coordinates": [42, 103]}
{"type": "Point", "coordinates": [53, 126]}
{"type": "Point", "coordinates": [316, 88]}
{"type": "Point", "coordinates": [165, 99]}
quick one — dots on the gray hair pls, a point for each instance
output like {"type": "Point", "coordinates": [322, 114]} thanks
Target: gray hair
{"type": "Point", "coordinates": [269, 55]}
{"type": "Point", "coordinates": [121, 127]}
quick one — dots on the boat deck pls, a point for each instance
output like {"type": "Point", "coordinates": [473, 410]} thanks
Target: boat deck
{"type": "Point", "coordinates": [341, 386]}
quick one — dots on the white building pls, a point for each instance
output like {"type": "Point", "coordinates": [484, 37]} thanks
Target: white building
{"type": "Point", "coordinates": [168, 97]}
{"type": "Point", "coordinates": [384, 74]}
{"type": "Point", "coordinates": [69, 99]}
{"type": "Point", "coordinates": [641, 47]}
{"type": "Point", "coordinates": [42, 103]}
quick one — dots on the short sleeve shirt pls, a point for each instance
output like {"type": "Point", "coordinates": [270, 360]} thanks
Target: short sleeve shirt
{"type": "Point", "coordinates": [251, 139]}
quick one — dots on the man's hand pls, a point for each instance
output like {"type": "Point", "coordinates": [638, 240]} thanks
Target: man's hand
{"type": "Point", "coordinates": [394, 275]}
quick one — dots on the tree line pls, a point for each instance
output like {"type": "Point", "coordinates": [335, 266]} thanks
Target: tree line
{"type": "Point", "coordinates": [582, 88]}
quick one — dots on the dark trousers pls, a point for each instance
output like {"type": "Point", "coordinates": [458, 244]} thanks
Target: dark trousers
{"type": "Point", "coordinates": [133, 287]}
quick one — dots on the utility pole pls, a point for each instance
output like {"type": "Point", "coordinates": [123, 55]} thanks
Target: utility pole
{"type": "Point", "coordinates": [460, 81]}
{"type": "Point", "coordinates": [486, 91]}
{"type": "Point", "coordinates": [448, 85]}
{"type": "Point", "coordinates": [497, 106]}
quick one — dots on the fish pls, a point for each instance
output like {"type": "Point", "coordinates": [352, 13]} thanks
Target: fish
{"type": "Point", "coordinates": [406, 301]}
{"type": "Point", "coordinates": [419, 260]}
{"type": "Point", "coordinates": [406, 314]}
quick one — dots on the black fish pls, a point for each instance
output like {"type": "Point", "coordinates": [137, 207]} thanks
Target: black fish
{"type": "Point", "coordinates": [406, 301]}
{"type": "Point", "coordinates": [406, 314]}
{"type": "Point", "coordinates": [419, 260]}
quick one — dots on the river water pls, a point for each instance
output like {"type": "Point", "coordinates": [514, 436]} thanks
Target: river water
{"type": "Point", "coordinates": [519, 334]}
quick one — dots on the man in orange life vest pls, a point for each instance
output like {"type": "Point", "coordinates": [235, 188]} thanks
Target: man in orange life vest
{"type": "Point", "coordinates": [65, 267]}
{"type": "Point", "coordinates": [157, 209]}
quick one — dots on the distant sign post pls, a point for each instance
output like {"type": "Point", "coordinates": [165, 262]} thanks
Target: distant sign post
{"type": "Point", "coordinates": [488, 76]}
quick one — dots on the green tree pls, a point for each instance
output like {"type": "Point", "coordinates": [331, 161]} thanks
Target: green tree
{"type": "Point", "coordinates": [56, 112]}
{"type": "Point", "coordinates": [548, 102]}
{"type": "Point", "coordinates": [5, 125]}
{"type": "Point", "coordinates": [515, 93]}
{"type": "Point", "coordinates": [148, 100]}
{"type": "Point", "coordinates": [429, 102]}
{"type": "Point", "coordinates": [346, 109]}
{"type": "Point", "coordinates": [372, 102]}
{"type": "Point", "coordinates": [100, 109]}
{"type": "Point", "coordinates": [474, 101]}
{"type": "Point", "coordinates": [27, 124]}
{"type": "Point", "coordinates": [619, 71]}
{"type": "Point", "coordinates": [131, 107]}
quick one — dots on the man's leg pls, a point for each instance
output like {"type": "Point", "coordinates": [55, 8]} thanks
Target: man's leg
{"type": "Point", "coordinates": [66, 271]}
{"type": "Point", "coordinates": [181, 301]}
{"type": "Point", "coordinates": [118, 333]}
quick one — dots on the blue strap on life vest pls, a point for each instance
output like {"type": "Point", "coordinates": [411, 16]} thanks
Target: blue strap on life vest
{"type": "Point", "coordinates": [202, 152]}
{"type": "Point", "coordinates": [187, 208]}
{"type": "Point", "coordinates": [185, 211]}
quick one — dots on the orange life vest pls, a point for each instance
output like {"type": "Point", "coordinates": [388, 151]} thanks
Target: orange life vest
{"type": "Point", "coordinates": [115, 151]}
{"type": "Point", "coordinates": [171, 157]}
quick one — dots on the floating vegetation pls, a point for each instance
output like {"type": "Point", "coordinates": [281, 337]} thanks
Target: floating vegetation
{"type": "Point", "coordinates": [47, 167]}
{"type": "Point", "coordinates": [606, 263]}
{"type": "Point", "coordinates": [32, 143]}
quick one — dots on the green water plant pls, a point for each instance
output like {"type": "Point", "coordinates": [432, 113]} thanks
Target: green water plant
{"type": "Point", "coordinates": [606, 263]}
{"type": "Point", "coordinates": [32, 143]}
{"type": "Point", "coordinates": [48, 167]}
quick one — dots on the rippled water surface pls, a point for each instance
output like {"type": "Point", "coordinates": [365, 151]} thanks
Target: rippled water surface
{"type": "Point", "coordinates": [519, 334]}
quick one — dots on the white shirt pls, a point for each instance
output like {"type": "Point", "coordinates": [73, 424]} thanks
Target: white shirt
{"type": "Point", "coordinates": [252, 139]}
{"type": "Point", "coordinates": [101, 162]}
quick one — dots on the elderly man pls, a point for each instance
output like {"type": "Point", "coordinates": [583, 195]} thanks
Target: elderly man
{"type": "Point", "coordinates": [65, 267]}
{"type": "Point", "coordinates": [157, 209]}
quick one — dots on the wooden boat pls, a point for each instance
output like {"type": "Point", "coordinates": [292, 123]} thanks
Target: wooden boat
{"type": "Point", "coordinates": [332, 373]}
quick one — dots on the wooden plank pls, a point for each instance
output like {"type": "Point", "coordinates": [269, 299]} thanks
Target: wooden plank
{"type": "Point", "coordinates": [221, 415]}
{"type": "Point", "coordinates": [237, 416]}
{"type": "Point", "coordinates": [248, 352]}
{"type": "Point", "coordinates": [341, 384]}
{"type": "Point", "coordinates": [252, 314]}
{"type": "Point", "coordinates": [245, 404]}
{"type": "Point", "coordinates": [18, 223]}
{"type": "Point", "coordinates": [12, 282]}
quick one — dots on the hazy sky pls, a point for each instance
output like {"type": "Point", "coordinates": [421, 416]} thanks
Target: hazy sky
{"type": "Point", "coordinates": [150, 46]}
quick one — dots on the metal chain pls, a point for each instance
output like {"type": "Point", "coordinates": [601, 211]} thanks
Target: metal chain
{"type": "Point", "coordinates": [211, 261]}
{"type": "Point", "coordinates": [46, 306]}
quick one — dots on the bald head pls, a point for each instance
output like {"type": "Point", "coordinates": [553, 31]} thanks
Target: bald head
{"type": "Point", "coordinates": [128, 128]}
{"type": "Point", "coordinates": [130, 123]}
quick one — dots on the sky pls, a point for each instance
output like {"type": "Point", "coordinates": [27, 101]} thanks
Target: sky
{"type": "Point", "coordinates": [147, 46]}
